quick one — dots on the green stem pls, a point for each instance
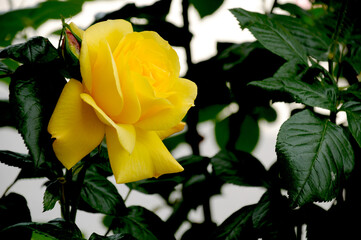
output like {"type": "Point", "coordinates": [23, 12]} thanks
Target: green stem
{"type": "Point", "coordinates": [128, 194]}
{"type": "Point", "coordinates": [77, 190]}
{"type": "Point", "coordinates": [10, 186]}
{"type": "Point", "coordinates": [299, 231]}
{"type": "Point", "coordinates": [185, 7]}
{"type": "Point", "coordinates": [192, 135]}
{"type": "Point", "coordinates": [336, 35]}
{"type": "Point", "coordinates": [207, 212]}
{"type": "Point", "coordinates": [63, 200]}
{"type": "Point", "coordinates": [273, 6]}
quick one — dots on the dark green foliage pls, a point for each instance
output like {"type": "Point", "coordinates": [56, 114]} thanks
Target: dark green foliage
{"type": "Point", "coordinates": [302, 84]}
{"type": "Point", "coordinates": [36, 50]}
{"type": "Point", "coordinates": [141, 224]}
{"type": "Point", "coordinates": [95, 236]}
{"type": "Point", "coordinates": [7, 119]}
{"type": "Point", "coordinates": [33, 97]}
{"type": "Point", "coordinates": [14, 21]}
{"type": "Point", "coordinates": [205, 7]}
{"type": "Point", "coordinates": [14, 210]}
{"type": "Point", "coordinates": [239, 168]}
{"type": "Point", "coordinates": [315, 157]}
{"type": "Point", "coordinates": [56, 229]}
{"type": "Point", "coordinates": [353, 110]}
{"type": "Point", "coordinates": [271, 34]}
{"type": "Point", "coordinates": [101, 195]}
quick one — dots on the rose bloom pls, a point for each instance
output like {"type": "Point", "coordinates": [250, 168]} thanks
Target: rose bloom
{"type": "Point", "coordinates": [131, 93]}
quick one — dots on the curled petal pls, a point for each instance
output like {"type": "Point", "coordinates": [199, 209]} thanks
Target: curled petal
{"type": "Point", "coordinates": [125, 132]}
{"type": "Point", "coordinates": [181, 98]}
{"type": "Point", "coordinates": [111, 31]}
{"type": "Point", "coordinates": [170, 53]}
{"type": "Point", "coordinates": [106, 89]}
{"type": "Point", "coordinates": [166, 133]}
{"type": "Point", "coordinates": [150, 157]}
{"type": "Point", "coordinates": [74, 126]}
{"type": "Point", "coordinates": [131, 108]}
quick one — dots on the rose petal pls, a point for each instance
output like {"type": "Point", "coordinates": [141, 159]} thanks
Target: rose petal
{"type": "Point", "coordinates": [74, 125]}
{"type": "Point", "coordinates": [181, 97]}
{"type": "Point", "coordinates": [150, 157]}
{"type": "Point", "coordinates": [125, 132]}
{"type": "Point", "coordinates": [106, 89]}
{"type": "Point", "coordinates": [111, 31]}
{"type": "Point", "coordinates": [166, 133]}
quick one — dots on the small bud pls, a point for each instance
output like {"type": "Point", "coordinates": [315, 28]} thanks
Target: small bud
{"type": "Point", "coordinates": [70, 48]}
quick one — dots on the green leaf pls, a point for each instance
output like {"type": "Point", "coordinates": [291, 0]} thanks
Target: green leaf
{"type": "Point", "coordinates": [7, 67]}
{"type": "Point", "coordinates": [206, 7]}
{"type": "Point", "coordinates": [35, 50]}
{"type": "Point", "coordinates": [355, 58]}
{"type": "Point", "coordinates": [297, 80]}
{"type": "Point", "coordinates": [165, 184]}
{"type": "Point", "coordinates": [37, 236]}
{"type": "Point", "coordinates": [15, 159]}
{"type": "Point", "coordinates": [141, 224]}
{"type": "Point", "coordinates": [57, 229]}
{"type": "Point", "coordinates": [101, 194]}
{"type": "Point", "coordinates": [271, 35]}
{"type": "Point", "coordinates": [95, 236]}
{"type": "Point", "coordinates": [353, 93]}
{"type": "Point", "coordinates": [236, 53]}
{"type": "Point", "coordinates": [315, 157]}
{"type": "Point", "coordinates": [13, 210]}
{"type": "Point", "coordinates": [52, 195]}
{"type": "Point", "coordinates": [239, 168]}
{"type": "Point", "coordinates": [7, 118]}
{"type": "Point", "coordinates": [353, 111]}
{"type": "Point", "coordinates": [34, 92]}
{"type": "Point", "coordinates": [269, 216]}
{"type": "Point", "coordinates": [314, 41]}
{"type": "Point", "coordinates": [24, 162]}
{"type": "Point", "coordinates": [14, 21]}
{"type": "Point", "coordinates": [247, 137]}
{"type": "Point", "coordinates": [237, 226]}
{"type": "Point", "coordinates": [297, 11]}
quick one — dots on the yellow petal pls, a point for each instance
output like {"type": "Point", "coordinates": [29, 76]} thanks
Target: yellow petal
{"type": "Point", "coordinates": [125, 132]}
{"type": "Point", "coordinates": [150, 103]}
{"type": "Point", "coordinates": [181, 97]}
{"type": "Point", "coordinates": [106, 89]}
{"type": "Point", "coordinates": [86, 65]}
{"type": "Point", "coordinates": [150, 157]}
{"type": "Point", "coordinates": [111, 31]}
{"type": "Point", "coordinates": [74, 125]}
{"type": "Point", "coordinates": [166, 133]}
{"type": "Point", "coordinates": [131, 108]}
{"type": "Point", "coordinates": [171, 55]}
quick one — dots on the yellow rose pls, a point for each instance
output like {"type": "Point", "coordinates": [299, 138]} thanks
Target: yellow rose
{"type": "Point", "coordinates": [131, 93]}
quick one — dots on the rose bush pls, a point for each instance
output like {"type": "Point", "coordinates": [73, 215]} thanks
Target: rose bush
{"type": "Point", "coordinates": [130, 93]}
